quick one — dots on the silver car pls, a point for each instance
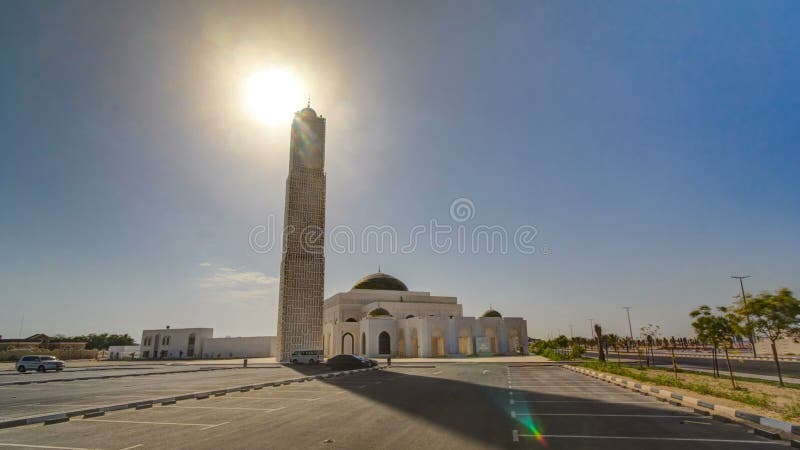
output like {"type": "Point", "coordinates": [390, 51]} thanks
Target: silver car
{"type": "Point", "coordinates": [39, 363]}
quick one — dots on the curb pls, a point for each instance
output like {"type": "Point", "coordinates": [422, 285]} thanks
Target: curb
{"type": "Point", "coordinates": [51, 418]}
{"type": "Point", "coordinates": [691, 355]}
{"type": "Point", "coordinates": [102, 377]}
{"type": "Point", "coordinates": [785, 429]}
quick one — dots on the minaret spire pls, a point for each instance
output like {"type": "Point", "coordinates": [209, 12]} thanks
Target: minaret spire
{"type": "Point", "coordinates": [309, 101]}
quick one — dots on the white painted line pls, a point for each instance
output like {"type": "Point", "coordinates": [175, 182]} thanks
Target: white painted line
{"type": "Point", "coordinates": [599, 386]}
{"type": "Point", "coordinates": [514, 414]}
{"type": "Point", "coordinates": [647, 416]}
{"type": "Point", "coordinates": [148, 423]}
{"type": "Point", "coordinates": [223, 407]}
{"type": "Point", "coordinates": [133, 446]}
{"type": "Point", "coordinates": [654, 401]}
{"type": "Point", "coordinates": [437, 372]}
{"type": "Point", "coordinates": [650, 438]}
{"type": "Point", "coordinates": [242, 397]}
{"type": "Point", "coordinates": [213, 426]}
{"type": "Point", "coordinates": [511, 401]}
{"type": "Point", "coordinates": [515, 435]}
{"type": "Point", "coordinates": [8, 444]}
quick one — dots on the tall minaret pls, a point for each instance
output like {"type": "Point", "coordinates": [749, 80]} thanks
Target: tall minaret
{"type": "Point", "coordinates": [303, 262]}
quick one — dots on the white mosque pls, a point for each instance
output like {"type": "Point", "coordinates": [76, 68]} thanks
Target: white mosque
{"type": "Point", "coordinates": [379, 316]}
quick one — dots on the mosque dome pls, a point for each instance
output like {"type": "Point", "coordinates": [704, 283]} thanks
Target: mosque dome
{"type": "Point", "coordinates": [379, 312]}
{"type": "Point", "coordinates": [491, 313]}
{"type": "Point", "coordinates": [308, 112]}
{"type": "Point", "coordinates": [380, 281]}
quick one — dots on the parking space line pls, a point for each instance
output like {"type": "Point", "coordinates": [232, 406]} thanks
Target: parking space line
{"type": "Point", "coordinates": [648, 416]}
{"type": "Point", "coordinates": [140, 422]}
{"type": "Point", "coordinates": [133, 447]}
{"type": "Point", "coordinates": [8, 444]}
{"type": "Point", "coordinates": [213, 426]}
{"type": "Point", "coordinates": [653, 438]}
{"type": "Point", "coordinates": [654, 402]}
{"type": "Point", "coordinates": [242, 397]}
{"type": "Point", "coordinates": [223, 407]}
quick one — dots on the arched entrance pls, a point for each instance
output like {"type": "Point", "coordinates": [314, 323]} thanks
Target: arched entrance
{"type": "Point", "coordinates": [348, 342]}
{"type": "Point", "coordinates": [413, 344]}
{"type": "Point", "coordinates": [190, 346]}
{"type": "Point", "coordinates": [363, 344]}
{"type": "Point", "coordinates": [465, 341]}
{"type": "Point", "coordinates": [437, 343]}
{"type": "Point", "coordinates": [401, 343]}
{"type": "Point", "coordinates": [384, 343]}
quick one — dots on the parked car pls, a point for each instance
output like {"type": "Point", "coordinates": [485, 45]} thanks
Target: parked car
{"type": "Point", "coordinates": [372, 362]}
{"type": "Point", "coordinates": [306, 357]}
{"type": "Point", "coordinates": [39, 363]}
{"type": "Point", "coordinates": [347, 362]}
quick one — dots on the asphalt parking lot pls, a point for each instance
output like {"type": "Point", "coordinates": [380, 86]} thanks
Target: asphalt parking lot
{"type": "Point", "coordinates": [462, 406]}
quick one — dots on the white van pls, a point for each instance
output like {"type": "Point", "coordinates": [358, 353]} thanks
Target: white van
{"type": "Point", "coordinates": [306, 357]}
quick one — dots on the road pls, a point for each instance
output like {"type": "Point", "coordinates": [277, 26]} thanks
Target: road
{"type": "Point", "coordinates": [441, 406]}
{"type": "Point", "coordinates": [740, 366]}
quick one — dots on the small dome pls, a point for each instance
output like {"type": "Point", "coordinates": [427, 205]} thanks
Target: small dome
{"type": "Point", "coordinates": [491, 313]}
{"type": "Point", "coordinates": [379, 312]}
{"type": "Point", "coordinates": [380, 281]}
{"type": "Point", "coordinates": [308, 112]}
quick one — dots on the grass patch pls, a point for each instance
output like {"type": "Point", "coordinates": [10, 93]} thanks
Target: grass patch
{"type": "Point", "coordinates": [741, 395]}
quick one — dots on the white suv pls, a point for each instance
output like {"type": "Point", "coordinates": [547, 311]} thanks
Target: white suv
{"type": "Point", "coordinates": [39, 363]}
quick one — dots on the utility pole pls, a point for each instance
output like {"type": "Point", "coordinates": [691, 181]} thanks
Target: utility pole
{"type": "Point", "coordinates": [571, 333]}
{"type": "Point", "coordinates": [747, 316]}
{"type": "Point", "coordinates": [630, 328]}
{"type": "Point", "coordinates": [591, 330]}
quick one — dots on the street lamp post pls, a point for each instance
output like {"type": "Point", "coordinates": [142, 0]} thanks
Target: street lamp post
{"type": "Point", "coordinates": [630, 328]}
{"type": "Point", "coordinates": [747, 316]}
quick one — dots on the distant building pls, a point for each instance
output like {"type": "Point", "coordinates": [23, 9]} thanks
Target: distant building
{"type": "Point", "coordinates": [41, 341]}
{"type": "Point", "coordinates": [379, 316]}
{"type": "Point", "coordinates": [303, 261]}
{"type": "Point", "coordinates": [190, 343]}
{"type": "Point", "coordinates": [124, 351]}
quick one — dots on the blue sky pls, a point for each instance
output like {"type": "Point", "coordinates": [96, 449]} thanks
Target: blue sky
{"type": "Point", "coordinates": [653, 145]}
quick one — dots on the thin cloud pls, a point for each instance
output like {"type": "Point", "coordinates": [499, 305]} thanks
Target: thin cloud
{"type": "Point", "coordinates": [229, 284]}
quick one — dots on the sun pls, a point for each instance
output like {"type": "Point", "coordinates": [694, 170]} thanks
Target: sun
{"type": "Point", "coordinates": [272, 95]}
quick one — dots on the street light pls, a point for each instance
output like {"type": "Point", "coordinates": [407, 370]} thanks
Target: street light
{"type": "Point", "coordinates": [630, 328]}
{"type": "Point", "coordinates": [747, 316]}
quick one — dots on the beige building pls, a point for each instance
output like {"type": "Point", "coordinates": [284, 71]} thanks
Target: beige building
{"type": "Point", "coordinates": [188, 343]}
{"type": "Point", "coordinates": [303, 262]}
{"type": "Point", "coordinates": [379, 316]}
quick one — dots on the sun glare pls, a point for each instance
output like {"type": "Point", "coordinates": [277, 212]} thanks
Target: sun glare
{"type": "Point", "coordinates": [271, 96]}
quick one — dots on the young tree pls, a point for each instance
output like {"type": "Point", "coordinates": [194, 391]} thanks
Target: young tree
{"type": "Point", "coordinates": [614, 341]}
{"type": "Point", "coordinates": [599, 332]}
{"type": "Point", "coordinates": [650, 333]}
{"type": "Point", "coordinates": [774, 315]}
{"type": "Point", "coordinates": [716, 329]}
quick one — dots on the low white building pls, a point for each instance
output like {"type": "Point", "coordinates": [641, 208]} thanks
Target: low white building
{"type": "Point", "coordinates": [189, 343]}
{"type": "Point", "coordinates": [240, 347]}
{"type": "Point", "coordinates": [174, 343]}
{"type": "Point", "coordinates": [379, 316]}
{"type": "Point", "coordinates": [124, 351]}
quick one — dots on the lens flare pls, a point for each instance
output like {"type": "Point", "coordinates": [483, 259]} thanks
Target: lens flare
{"type": "Point", "coordinates": [271, 96]}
